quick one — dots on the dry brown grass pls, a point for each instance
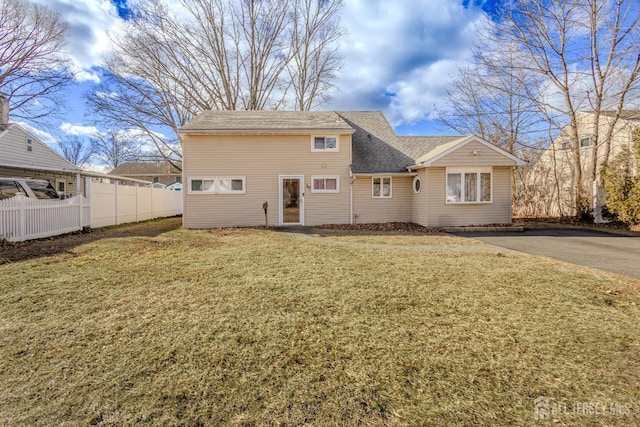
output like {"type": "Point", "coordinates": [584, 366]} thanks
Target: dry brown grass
{"type": "Point", "coordinates": [252, 327]}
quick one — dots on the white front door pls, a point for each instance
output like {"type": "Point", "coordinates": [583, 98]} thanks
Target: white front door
{"type": "Point", "coordinates": [291, 211]}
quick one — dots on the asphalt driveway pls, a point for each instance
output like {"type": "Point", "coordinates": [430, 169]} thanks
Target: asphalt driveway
{"type": "Point", "coordinates": [591, 248]}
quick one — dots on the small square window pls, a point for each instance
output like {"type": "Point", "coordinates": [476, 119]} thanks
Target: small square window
{"type": "Point", "coordinates": [324, 143]}
{"type": "Point", "coordinates": [586, 141]}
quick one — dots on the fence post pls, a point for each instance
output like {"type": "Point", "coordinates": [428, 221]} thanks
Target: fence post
{"type": "Point", "coordinates": [22, 216]}
{"type": "Point", "coordinates": [116, 202]}
{"type": "Point", "coordinates": [87, 191]}
{"type": "Point", "coordinates": [137, 205]}
{"type": "Point", "coordinates": [79, 196]}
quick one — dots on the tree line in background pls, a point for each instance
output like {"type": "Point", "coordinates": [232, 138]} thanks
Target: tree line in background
{"type": "Point", "coordinates": [541, 63]}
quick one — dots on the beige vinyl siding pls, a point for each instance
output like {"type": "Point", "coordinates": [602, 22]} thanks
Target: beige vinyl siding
{"type": "Point", "coordinates": [442, 214]}
{"type": "Point", "coordinates": [463, 156]}
{"type": "Point", "coordinates": [261, 160]}
{"type": "Point", "coordinates": [369, 209]}
{"type": "Point", "coordinates": [419, 200]}
{"type": "Point", "coordinates": [13, 151]}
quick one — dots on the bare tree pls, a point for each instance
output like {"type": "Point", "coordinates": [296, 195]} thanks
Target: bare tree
{"type": "Point", "coordinates": [216, 54]}
{"type": "Point", "coordinates": [114, 148]}
{"type": "Point", "coordinates": [33, 68]}
{"type": "Point", "coordinates": [546, 61]}
{"type": "Point", "coordinates": [580, 55]}
{"type": "Point", "coordinates": [315, 59]}
{"type": "Point", "coordinates": [76, 149]}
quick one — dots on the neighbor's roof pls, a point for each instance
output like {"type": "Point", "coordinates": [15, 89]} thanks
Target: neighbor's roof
{"type": "Point", "coordinates": [265, 121]}
{"type": "Point", "coordinates": [624, 114]}
{"type": "Point", "coordinates": [145, 169]}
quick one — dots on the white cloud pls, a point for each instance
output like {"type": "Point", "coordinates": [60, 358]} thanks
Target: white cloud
{"type": "Point", "coordinates": [89, 22]}
{"type": "Point", "coordinates": [79, 130]}
{"type": "Point", "coordinates": [43, 136]}
{"type": "Point", "coordinates": [399, 55]}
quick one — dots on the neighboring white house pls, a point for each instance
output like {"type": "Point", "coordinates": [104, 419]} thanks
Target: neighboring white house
{"type": "Point", "coordinates": [553, 175]}
{"type": "Point", "coordinates": [23, 155]}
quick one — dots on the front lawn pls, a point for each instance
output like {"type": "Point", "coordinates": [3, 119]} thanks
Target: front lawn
{"type": "Point", "coordinates": [156, 325]}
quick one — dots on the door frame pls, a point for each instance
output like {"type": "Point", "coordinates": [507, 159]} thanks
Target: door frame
{"type": "Point", "coordinates": [281, 178]}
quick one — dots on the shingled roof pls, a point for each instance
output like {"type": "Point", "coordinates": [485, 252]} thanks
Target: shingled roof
{"type": "Point", "coordinates": [265, 121]}
{"type": "Point", "coordinates": [137, 169]}
{"type": "Point", "coordinates": [377, 148]}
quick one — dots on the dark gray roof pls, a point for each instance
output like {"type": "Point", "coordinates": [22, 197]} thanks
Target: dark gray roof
{"type": "Point", "coordinates": [377, 148]}
{"type": "Point", "coordinates": [266, 121]}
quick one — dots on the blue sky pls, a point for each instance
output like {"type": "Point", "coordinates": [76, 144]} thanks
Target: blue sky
{"type": "Point", "coordinates": [398, 56]}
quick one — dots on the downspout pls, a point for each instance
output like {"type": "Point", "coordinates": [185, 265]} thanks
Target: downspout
{"type": "Point", "coordinates": [353, 178]}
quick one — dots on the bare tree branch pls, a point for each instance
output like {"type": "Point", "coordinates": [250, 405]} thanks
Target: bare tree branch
{"type": "Point", "coordinates": [34, 71]}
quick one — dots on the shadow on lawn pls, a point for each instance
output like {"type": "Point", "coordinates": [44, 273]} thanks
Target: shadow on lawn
{"type": "Point", "coordinates": [13, 252]}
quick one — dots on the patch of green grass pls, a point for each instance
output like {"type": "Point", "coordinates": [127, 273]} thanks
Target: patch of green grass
{"type": "Point", "coordinates": [252, 327]}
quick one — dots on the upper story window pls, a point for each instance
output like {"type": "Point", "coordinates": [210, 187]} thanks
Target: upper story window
{"type": "Point", "coordinates": [586, 141]}
{"type": "Point", "coordinates": [381, 187]}
{"type": "Point", "coordinates": [29, 144]}
{"type": "Point", "coordinates": [325, 143]}
{"type": "Point", "coordinates": [469, 186]}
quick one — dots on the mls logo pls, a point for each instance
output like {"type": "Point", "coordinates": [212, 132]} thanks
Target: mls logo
{"type": "Point", "coordinates": [541, 408]}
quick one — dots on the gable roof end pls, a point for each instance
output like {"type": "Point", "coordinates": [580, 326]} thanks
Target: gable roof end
{"type": "Point", "coordinates": [443, 150]}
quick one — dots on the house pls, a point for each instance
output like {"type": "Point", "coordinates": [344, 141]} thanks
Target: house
{"type": "Point", "coordinates": [161, 172]}
{"type": "Point", "coordinates": [23, 155]}
{"type": "Point", "coordinates": [312, 168]}
{"type": "Point", "coordinates": [554, 174]}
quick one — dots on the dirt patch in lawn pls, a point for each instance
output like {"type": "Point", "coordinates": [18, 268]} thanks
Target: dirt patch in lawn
{"type": "Point", "coordinates": [252, 327]}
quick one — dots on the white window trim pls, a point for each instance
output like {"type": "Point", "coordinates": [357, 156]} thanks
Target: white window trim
{"type": "Point", "coordinates": [216, 184]}
{"type": "Point", "coordinates": [325, 150]}
{"type": "Point", "coordinates": [417, 179]}
{"type": "Point", "coordinates": [381, 196]}
{"type": "Point", "coordinates": [589, 137]}
{"type": "Point", "coordinates": [463, 171]}
{"type": "Point", "coordinates": [325, 177]}
{"type": "Point", "coordinates": [230, 178]}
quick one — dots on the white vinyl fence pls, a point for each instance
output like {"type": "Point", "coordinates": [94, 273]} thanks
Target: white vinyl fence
{"type": "Point", "coordinates": [22, 218]}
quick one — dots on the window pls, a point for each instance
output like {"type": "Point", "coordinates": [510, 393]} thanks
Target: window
{"type": "Point", "coordinates": [215, 185]}
{"type": "Point", "coordinates": [9, 189]}
{"type": "Point", "coordinates": [586, 141]}
{"type": "Point", "coordinates": [417, 184]}
{"type": "Point", "coordinates": [381, 186]}
{"type": "Point", "coordinates": [29, 144]}
{"type": "Point", "coordinates": [202, 186]}
{"type": "Point", "coordinates": [468, 186]}
{"type": "Point", "coordinates": [324, 143]}
{"type": "Point", "coordinates": [325, 184]}
{"type": "Point", "coordinates": [230, 185]}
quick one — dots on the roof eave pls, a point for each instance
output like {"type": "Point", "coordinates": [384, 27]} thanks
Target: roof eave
{"type": "Point", "coordinates": [265, 131]}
